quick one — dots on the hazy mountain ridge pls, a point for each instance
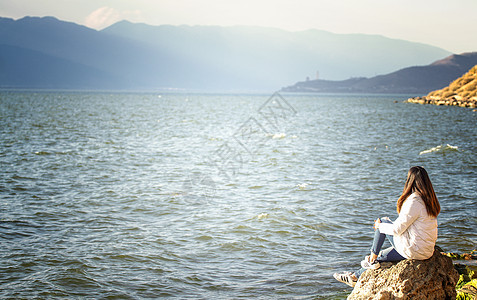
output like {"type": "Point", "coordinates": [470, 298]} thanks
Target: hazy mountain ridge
{"type": "Point", "coordinates": [265, 53]}
{"type": "Point", "coordinates": [140, 56]}
{"type": "Point", "coordinates": [416, 79]}
{"type": "Point", "coordinates": [27, 66]}
{"type": "Point", "coordinates": [74, 43]}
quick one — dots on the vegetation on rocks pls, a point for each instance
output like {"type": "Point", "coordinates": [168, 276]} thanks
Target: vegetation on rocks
{"type": "Point", "coordinates": [467, 285]}
{"type": "Point", "coordinates": [461, 92]}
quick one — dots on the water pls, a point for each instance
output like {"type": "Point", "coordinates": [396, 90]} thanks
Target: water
{"type": "Point", "coordinates": [147, 195]}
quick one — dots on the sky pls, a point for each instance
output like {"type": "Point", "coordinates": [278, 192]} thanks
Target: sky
{"type": "Point", "coordinates": [449, 24]}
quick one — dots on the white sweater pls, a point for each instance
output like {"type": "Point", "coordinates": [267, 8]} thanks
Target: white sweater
{"type": "Point", "coordinates": [414, 231]}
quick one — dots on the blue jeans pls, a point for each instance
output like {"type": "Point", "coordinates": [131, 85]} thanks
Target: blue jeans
{"type": "Point", "coordinates": [388, 254]}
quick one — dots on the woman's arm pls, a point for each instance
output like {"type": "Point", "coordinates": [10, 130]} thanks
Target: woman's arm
{"type": "Point", "coordinates": [409, 213]}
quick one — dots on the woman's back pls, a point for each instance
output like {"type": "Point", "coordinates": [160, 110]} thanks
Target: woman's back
{"type": "Point", "coordinates": [419, 239]}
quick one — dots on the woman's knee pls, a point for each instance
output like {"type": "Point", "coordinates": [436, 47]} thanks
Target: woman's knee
{"type": "Point", "coordinates": [389, 254]}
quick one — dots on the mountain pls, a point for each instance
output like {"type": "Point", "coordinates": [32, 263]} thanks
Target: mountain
{"type": "Point", "coordinates": [267, 57]}
{"type": "Point", "coordinates": [413, 80]}
{"type": "Point", "coordinates": [87, 53]}
{"type": "Point", "coordinates": [20, 67]}
{"type": "Point", "coordinates": [50, 53]}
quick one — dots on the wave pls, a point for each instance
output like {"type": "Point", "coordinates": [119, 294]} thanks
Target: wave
{"type": "Point", "coordinates": [440, 148]}
{"type": "Point", "coordinates": [262, 216]}
{"type": "Point", "coordinates": [279, 135]}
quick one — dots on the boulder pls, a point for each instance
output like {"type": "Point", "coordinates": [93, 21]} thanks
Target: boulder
{"type": "Point", "coordinates": [433, 278]}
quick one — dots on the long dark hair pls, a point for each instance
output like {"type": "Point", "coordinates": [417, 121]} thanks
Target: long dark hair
{"type": "Point", "coordinates": [418, 182]}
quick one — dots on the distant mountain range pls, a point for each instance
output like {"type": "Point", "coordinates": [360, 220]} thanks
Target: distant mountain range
{"type": "Point", "coordinates": [50, 53]}
{"type": "Point", "coordinates": [411, 80]}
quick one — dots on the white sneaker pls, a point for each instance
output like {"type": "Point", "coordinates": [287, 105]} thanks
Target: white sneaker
{"type": "Point", "coordinates": [368, 265]}
{"type": "Point", "coordinates": [345, 277]}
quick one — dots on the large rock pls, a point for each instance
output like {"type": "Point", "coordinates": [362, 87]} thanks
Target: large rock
{"type": "Point", "coordinates": [434, 278]}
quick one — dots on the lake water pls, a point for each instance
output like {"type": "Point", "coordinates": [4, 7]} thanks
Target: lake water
{"type": "Point", "coordinates": [213, 196]}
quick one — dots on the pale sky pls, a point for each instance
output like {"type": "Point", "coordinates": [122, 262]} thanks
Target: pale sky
{"type": "Point", "coordinates": [449, 24]}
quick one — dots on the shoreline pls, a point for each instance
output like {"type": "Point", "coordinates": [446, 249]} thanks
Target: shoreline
{"type": "Point", "coordinates": [452, 101]}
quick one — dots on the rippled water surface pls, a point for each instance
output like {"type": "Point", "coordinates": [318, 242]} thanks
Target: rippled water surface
{"type": "Point", "coordinates": [215, 196]}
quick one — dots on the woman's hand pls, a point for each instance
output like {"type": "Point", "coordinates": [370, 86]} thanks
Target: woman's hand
{"type": "Point", "coordinates": [376, 223]}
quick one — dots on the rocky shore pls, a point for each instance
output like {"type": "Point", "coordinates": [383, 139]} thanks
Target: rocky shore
{"type": "Point", "coordinates": [461, 92]}
{"type": "Point", "coordinates": [451, 101]}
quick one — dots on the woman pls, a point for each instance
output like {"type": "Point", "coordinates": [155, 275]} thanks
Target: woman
{"type": "Point", "coordinates": [414, 233]}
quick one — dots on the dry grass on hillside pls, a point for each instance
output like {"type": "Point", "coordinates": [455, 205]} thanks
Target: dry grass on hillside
{"type": "Point", "coordinates": [464, 87]}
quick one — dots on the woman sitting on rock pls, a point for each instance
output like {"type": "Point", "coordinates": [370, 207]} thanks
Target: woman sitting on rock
{"type": "Point", "coordinates": [414, 233]}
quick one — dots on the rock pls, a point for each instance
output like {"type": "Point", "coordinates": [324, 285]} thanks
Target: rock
{"type": "Point", "coordinates": [434, 278]}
